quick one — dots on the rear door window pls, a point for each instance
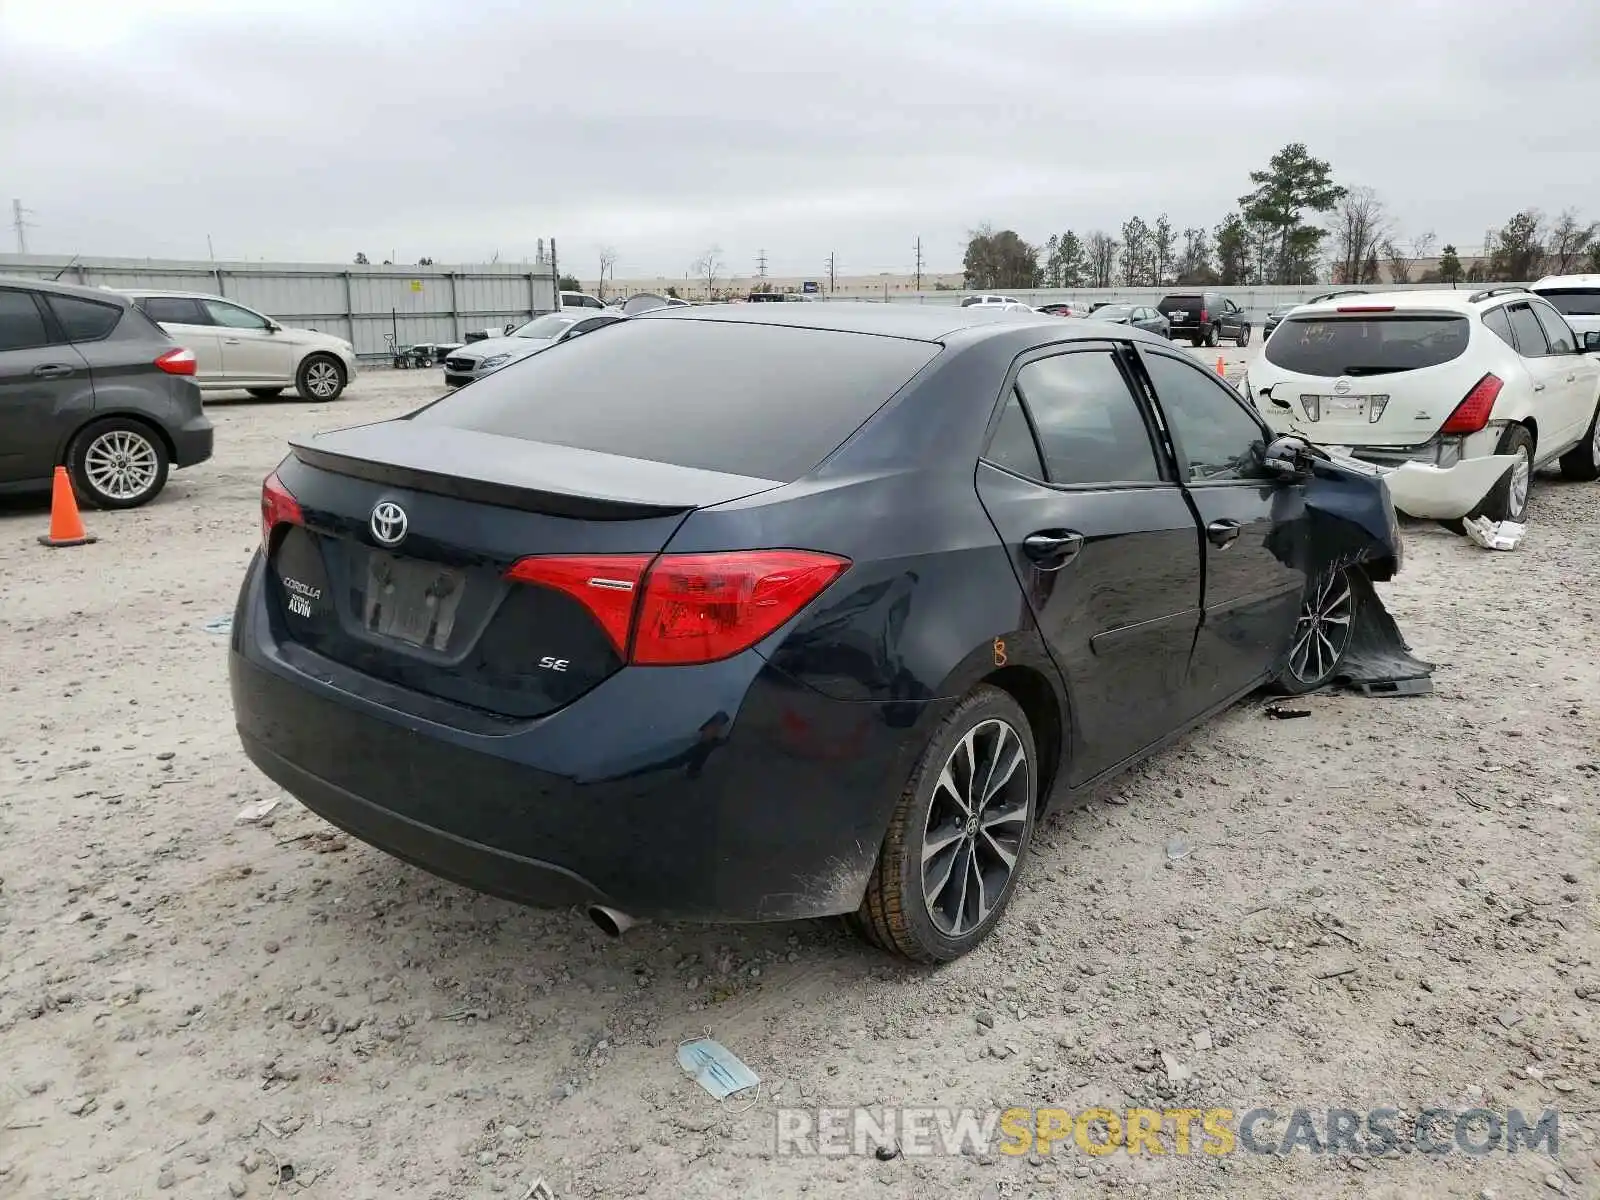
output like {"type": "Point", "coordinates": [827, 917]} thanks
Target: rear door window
{"type": "Point", "coordinates": [1369, 345]}
{"type": "Point", "coordinates": [21, 323]}
{"type": "Point", "coordinates": [768, 401]}
{"type": "Point", "coordinates": [84, 320]}
{"type": "Point", "coordinates": [1574, 302]}
{"type": "Point", "coordinates": [1012, 446]}
{"type": "Point", "coordinates": [1089, 424]}
{"type": "Point", "coordinates": [174, 310]}
{"type": "Point", "coordinates": [1556, 330]}
{"type": "Point", "coordinates": [1529, 333]}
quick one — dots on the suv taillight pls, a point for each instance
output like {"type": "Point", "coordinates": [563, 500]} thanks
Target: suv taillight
{"type": "Point", "coordinates": [177, 361]}
{"type": "Point", "coordinates": [278, 507]}
{"type": "Point", "coordinates": [1205, 317]}
{"type": "Point", "coordinates": [1472, 414]}
{"type": "Point", "coordinates": [683, 609]}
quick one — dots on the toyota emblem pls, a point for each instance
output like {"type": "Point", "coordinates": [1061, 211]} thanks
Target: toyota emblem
{"type": "Point", "coordinates": [388, 523]}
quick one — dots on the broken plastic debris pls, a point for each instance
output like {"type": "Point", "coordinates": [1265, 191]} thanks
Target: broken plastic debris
{"type": "Point", "coordinates": [716, 1068]}
{"type": "Point", "coordinates": [260, 810]}
{"type": "Point", "coordinates": [1177, 848]}
{"type": "Point", "coordinates": [1494, 535]}
{"type": "Point", "coordinates": [1279, 713]}
{"type": "Point", "coordinates": [220, 625]}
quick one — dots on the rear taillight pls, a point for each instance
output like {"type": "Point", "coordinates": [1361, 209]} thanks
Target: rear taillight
{"type": "Point", "coordinates": [1472, 414]}
{"type": "Point", "coordinates": [1205, 317]}
{"type": "Point", "coordinates": [278, 507]}
{"type": "Point", "coordinates": [177, 361]}
{"type": "Point", "coordinates": [686, 608]}
{"type": "Point", "coordinates": [605, 584]}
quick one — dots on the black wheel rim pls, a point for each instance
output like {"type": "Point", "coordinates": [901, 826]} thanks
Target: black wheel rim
{"type": "Point", "coordinates": [977, 822]}
{"type": "Point", "coordinates": [1322, 634]}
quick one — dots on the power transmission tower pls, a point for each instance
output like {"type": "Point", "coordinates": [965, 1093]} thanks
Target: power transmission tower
{"type": "Point", "coordinates": [831, 287]}
{"type": "Point", "coordinates": [919, 264]}
{"type": "Point", "coordinates": [761, 264]}
{"type": "Point", "coordinates": [20, 223]}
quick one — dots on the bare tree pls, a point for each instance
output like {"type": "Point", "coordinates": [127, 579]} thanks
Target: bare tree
{"type": "Point", "coordinates": [1359, 224]}
{"type": "Point", "coordinates": [1102, 253]}
{"type": "Point", "coordinates": [1403, 259]}
{"type": "Point", "coordinates": [1569, 243]}
{"type": "Point", "coordinates": [608, 263]}
{"type": "Point", "coordinates": [708, 266]}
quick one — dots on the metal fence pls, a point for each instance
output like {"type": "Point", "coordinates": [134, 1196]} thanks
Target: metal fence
{"type": "Point", "coordinates": [363, 304]}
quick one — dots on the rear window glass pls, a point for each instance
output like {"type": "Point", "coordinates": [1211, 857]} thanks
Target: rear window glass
{"type": "Point", "coordinates": [1574, 302]}
{"type": "Point", "coordinates": [1181, 300]}
{"type": "Point", "coordinates": [768, 401]}
{"type": "Point", "coordinates": [1332, 346]}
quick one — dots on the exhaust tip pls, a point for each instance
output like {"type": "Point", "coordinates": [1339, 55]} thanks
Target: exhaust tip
{"type": "Point", "coordinates": [611, 922]}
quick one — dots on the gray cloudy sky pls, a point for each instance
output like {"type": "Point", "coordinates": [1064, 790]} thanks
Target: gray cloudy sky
{"type": "Point", "coordinates": [311, 130]}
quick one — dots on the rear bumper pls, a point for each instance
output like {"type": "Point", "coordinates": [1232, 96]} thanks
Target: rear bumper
{"type": "Point", "coordinates": [1445, 493]}
{"type": "Point", "coordinates": [192, 442]}
{"type": "Point", "coordinates": [621, 798]}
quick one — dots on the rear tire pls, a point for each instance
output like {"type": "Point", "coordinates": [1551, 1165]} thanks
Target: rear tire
{"type": "Point", "coordinates": [1582, 462]}
{"type": "Point", "coordinates": [118, 462]}
{"type": "Point", "coordinates": [1508, 501]}
{"type": "Point", "coordinates": [265, 393]}
{"type": "Point", "coordinates": [321, 378]}
{"type": "Point", "coordinates": [979, 829]}
{"type": "Point", "coordinates": [1214, 335]}
{"type": "Point", "coordinates": [1244, 337]}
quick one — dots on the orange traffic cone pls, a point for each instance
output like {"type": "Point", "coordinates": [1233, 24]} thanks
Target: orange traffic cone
{"type": "Point", "coordinates": [66, 526]}
{"type": "Point", "coordinates": [1221, 367]}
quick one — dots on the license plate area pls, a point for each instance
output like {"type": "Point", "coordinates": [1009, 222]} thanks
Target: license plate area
{"type": "Point", "coordinates": [411, 601]}
{"type": "Point", "coordinates": [1346, 407]}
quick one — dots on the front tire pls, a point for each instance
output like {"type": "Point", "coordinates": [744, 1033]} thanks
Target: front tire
{"type": "Point", "coordinates": [1582, 462]}
{"type": "Point", "coordinates": [1244, 337]}
{"type": "Point", "coordinates": [959, 835]}
{"type": "Point", "coordinates": [118, 462]}
{"type": "Point", "coordinates": [320, 378]}
{"type": "Point", "coordinates": [1322, 633]}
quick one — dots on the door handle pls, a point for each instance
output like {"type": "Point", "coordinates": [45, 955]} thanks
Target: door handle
{"type": "Point", "coordinates": [1052, 549]}
{"type": "Point", "coordinates": [1223, 533]}
{"type": "Point", "coordinates": [52, 370]}
{"type": "Point", "coordinates": [1538, 387]}
{"type": "Point", "coordinates": [1572, 378]}
{"type": "Point", "coordinates": [230, 341]}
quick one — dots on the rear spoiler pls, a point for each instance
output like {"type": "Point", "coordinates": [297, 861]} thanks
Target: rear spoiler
{"type": "Point", "coordinates": [488, 468]}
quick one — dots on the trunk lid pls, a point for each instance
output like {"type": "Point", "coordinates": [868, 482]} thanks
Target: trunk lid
{"type": "Point", "coordinates": [399, 568]}
{"type": "Point", "coordinates": [1386, 380]}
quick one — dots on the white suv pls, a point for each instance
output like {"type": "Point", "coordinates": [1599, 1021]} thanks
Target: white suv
{"type": "Point", "coordinates": [1457, 396]}
{"type": "Point", "coordinates": [1578, 298]}
{"type": "Point", "coordinates": [237, 347]}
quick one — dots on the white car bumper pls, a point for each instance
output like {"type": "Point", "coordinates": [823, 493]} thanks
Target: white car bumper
{"type": "Point", "coordinates": [1445, 493]}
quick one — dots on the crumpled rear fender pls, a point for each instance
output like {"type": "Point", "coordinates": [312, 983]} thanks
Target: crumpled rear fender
{"type": "Point", "coordinates": [1446, 493]}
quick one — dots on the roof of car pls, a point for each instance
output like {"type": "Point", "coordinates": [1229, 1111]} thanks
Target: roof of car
{"type": "Point", "coordinates": [1458, 300]}
{"type": "Point", "coordinates": [921, 322]}
{"type": "Point", "coordinates": [169, 292]}
{"type": "Point", "coordinates": [64, 289]}
{"type": "Point", "coordinates": [1567, 281]}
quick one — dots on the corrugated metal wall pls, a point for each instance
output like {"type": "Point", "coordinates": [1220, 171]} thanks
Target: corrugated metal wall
{"type": "Point", "coordinates": [364, 304]}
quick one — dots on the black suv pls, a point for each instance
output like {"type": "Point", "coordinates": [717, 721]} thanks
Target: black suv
{"type": "Point", "coordinates": [1205, 318]}
{"type": "Point", "coordinates": [89, 381]}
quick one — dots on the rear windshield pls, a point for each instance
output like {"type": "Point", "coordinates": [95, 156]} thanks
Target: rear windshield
{"type": "Point", "coordinates": [769, 401]}
{"type": "Point", "coordinates": [1180, 300]}
{"type": "Point", "coordinates": [1574, 302]}
{"type": "Point", "coordinates": [1371, 345]}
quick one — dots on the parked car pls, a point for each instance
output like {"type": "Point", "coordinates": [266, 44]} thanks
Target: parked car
{"type": "Point", "coordinates": [1137, 315]}
{"type": "Point", "coordinates": [1275, 318]}
{"type": "Point", "coordinates": [610, 630]}
{"type": "Point", "coordinates": [579, 300]}
{"type": "Point", "coordinates": [986, 299]}
{"type": "Point", "coordinates": [1206, 318]}
{"type": "Point", "coordinates": [89, 382]}
{"type": "Point", "coordinates": [481, 358]}
{"type": "Point", "coordinates": [1576, 297]}
{"type": "Point", "coordinates": [1064, 308]}
{"type": "Point", "coordinates": [1458, 397]}
{"type": "Point", "coordinates": [237, 347]}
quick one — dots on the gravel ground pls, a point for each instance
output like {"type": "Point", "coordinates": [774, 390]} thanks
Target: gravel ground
{"type": "Point", "coordinates": [1391, 902]}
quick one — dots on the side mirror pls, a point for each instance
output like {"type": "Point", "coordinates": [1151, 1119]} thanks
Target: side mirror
{"type": "Point", "coordinates": [1287, 458]}
{"type": "Point", "coordinates": [273, 326]}
{"type": "Point", "coordinates": [1591, 341]}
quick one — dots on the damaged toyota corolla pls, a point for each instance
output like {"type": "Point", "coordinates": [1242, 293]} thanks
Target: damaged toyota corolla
{"type": "Point", "coordinates": [785, 611]}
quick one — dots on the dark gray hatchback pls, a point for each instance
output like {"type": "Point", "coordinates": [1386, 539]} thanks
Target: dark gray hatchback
{"type": "Point", "coordinates": [88, 381]}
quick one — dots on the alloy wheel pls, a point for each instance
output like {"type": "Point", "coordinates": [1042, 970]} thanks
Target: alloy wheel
{"type": "Point", "coordinates": [1322, 634]}
{"type": "Point", "coordinates": [121, 464]}
{"type": "Point", "coordinates": [976, 824]}
{"type": "Point", "coordinates": [322, 379]}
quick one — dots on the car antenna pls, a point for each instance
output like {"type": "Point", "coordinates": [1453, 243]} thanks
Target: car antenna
{"type": "Point", "coordinates": [63, 270]}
